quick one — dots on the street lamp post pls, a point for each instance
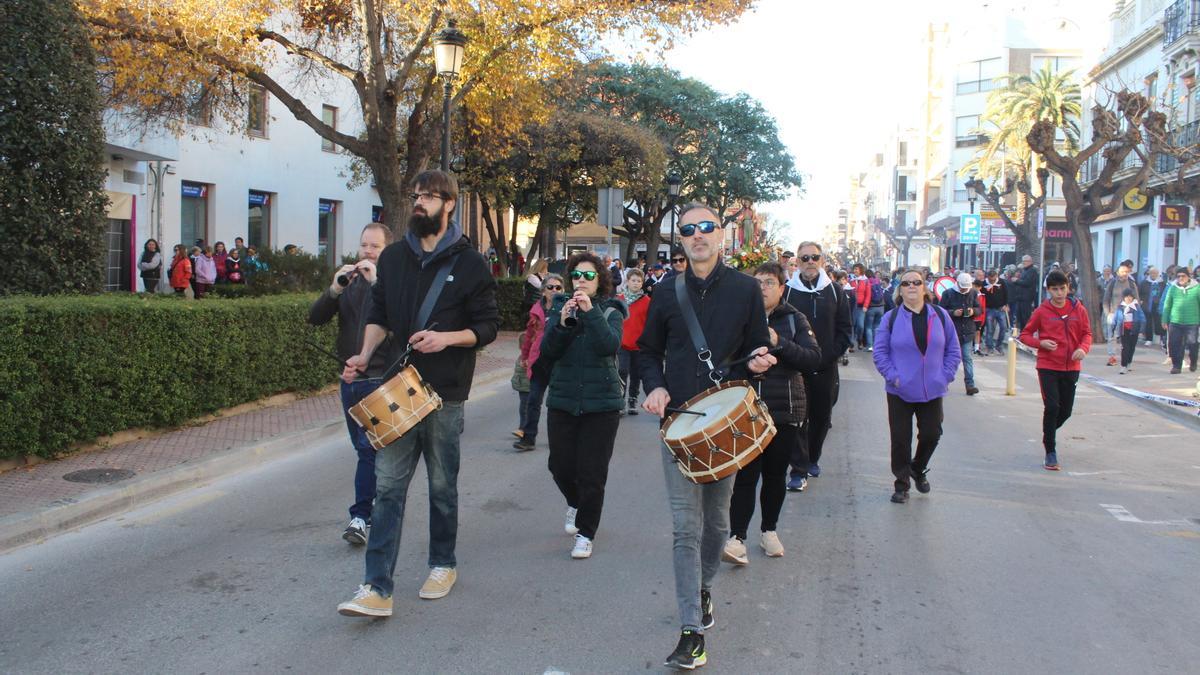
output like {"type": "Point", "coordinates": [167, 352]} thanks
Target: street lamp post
{"type": "Point", "coordinates": [674, 182]}
{"type": "Point", "coordinates": [448, 48]}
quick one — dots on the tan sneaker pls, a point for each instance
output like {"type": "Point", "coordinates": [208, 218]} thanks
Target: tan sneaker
{"type": "Point", "coordinates": [439, 583]}
{"type": "Point", "coordinates": [771, 545]}
{"type": "Point", "coordinates": [366, 602]}
{"type": "Point", "coordinates": [735, 552]}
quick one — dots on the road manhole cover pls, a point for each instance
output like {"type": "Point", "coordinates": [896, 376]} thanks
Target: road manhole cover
{"type": "Point", "coordinates": [99, 475]}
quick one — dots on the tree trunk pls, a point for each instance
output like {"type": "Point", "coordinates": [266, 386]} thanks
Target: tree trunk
{"type": "Point", "coordinates": [1089, 295]}
{"type": "Point", "coordinates": [495, 238]}
{"type": "Point", "coordinates": [653, 239]}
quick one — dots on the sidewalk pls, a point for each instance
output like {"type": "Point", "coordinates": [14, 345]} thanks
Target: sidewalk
{"type": "Point", "coordinates": [38, 501]}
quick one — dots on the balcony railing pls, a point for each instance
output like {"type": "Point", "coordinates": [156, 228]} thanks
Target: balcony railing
{"type": "Point", "coordinates": [1180, 19]}
{"type": "Point", "coordinates": [1185, 137]}
{"type": "Point", "coordinates": [1092, 167]}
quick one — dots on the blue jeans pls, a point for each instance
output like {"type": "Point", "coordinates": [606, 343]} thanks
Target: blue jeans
{"type": "Point", "coordinates": [364, 472]}
{"type": "Point", "coordinates": [522, 403]}
{"type": "Point", "coordinates": [997, 330]}
{"type": "Point", "coordinates": [857, 317]}
{"type": "Point", "coordinates": [436, 439]}
{"type": "Point", "coordinates": [700, 514]}
{"type": "Point", "coordinates": [533, 408]}
{"type": "Point", "coordinates": [968, 364]}
{"type": "Point", "coordinates": [874, 314]}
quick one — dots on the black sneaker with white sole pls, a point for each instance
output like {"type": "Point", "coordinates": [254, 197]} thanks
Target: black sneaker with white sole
{"type": "Point", "coordinates": [689, 654]}
{"type": "Point", "coordinates": [707, 620]}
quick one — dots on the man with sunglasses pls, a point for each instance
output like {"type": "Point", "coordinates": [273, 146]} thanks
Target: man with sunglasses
{"type": "Point", "coordinates": [828, 312]}
{"type": "Point", "coordinates": [463, 319]}
{"type": "Point", "coordinates": [728, 306]}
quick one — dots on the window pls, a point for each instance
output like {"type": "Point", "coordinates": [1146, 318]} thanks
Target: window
{"type": "Point", "coordinates": [258, 220]}
{"type": "Point", "coordinates": [1057, 64]}
{"type": "Point", "coordinates": [329, 115]}
{"type": "Point", "coordinates": [960, 195]}
{"type": "Point", "coordinates": [193, 213]}
{"type": "Point", "coordinates": [976, 76]}
{"type": "Point", "coordinates": [902, 154]}
{"type": "Point", "coordinates": [965, 131]}
{"type": "Point", "coordinates": [256, 119]}
{"type": "Point", "coordinates": [1116, 242]}
{"type": "Point", "coordinates": [1152, 86]}
{"type": "Point", "coordinates": [327, 211]}
{"type": "Point", "coordinates": [198, 110]}
{"type": "Point", "coordinates": [377, 214]}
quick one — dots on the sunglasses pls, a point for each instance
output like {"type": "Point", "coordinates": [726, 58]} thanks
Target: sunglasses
{"type": "Point", "coordinates": [906, 284]}
{"type": "Point", "coordinates": [576, 275]}
{"type": "Point", "coordinates": [678, 260]}
{"type": "Point", "coordinates": [706, 227]}
{"type": "Point", "coordinates": [815, 257]}
{"type": "Point", "coordinates": [553, 288]}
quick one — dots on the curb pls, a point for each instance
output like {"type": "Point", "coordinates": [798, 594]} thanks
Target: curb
{"type": "Point", "coordinates": [1182, 410]}
{"type": "Point", "coordinates": [35, 527]}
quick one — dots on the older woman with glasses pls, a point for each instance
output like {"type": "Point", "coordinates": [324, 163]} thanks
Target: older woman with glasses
{"type": "Point", "coordinates": [917, 352]}
{"type": "Point", "coordinates": [536, 369]}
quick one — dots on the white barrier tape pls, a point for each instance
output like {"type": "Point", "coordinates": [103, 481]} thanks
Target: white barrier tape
{"type": "Point", "coordinates": [1136, 393]}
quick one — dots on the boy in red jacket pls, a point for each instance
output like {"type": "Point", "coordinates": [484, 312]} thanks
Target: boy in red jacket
{"type": "Point", "coordinates": [1063, 338]}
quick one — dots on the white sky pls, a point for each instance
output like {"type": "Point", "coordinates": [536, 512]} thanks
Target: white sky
{"type": "Point", "coordinates": [838, 77]}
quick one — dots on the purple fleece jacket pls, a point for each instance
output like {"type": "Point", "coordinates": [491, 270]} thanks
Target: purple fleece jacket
{"type": "Point", "coordinates": [909, 374]}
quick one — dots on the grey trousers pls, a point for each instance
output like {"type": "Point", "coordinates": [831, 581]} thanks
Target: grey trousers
{"type": "Point", "coordinates": [701, 525]}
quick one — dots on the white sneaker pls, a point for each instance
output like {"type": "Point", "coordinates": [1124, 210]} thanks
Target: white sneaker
{"type": "Point", "coordinates": [1124, 370]}
{"type": "Point", "coordinates": [583, 547]}
{"type": "Point", "coordinates": [569, 526]}
{"type": "Point", "coordinates": [771, 545]}
{"type": "Point", "coordinates": [356, 532]}
{"type": "Point", "coordinates": [735, 552]}
{"type": "Point", "coordinates": [1147, 343]}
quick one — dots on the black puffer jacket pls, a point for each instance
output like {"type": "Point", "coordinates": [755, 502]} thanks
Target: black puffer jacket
{"type": "Point", "coordinates": [782, 387]}
{"type": "Point", "coordinates": [828, 312]}
{"type": "Point", "coordinates": [953, 299]}
{"type": "Point", "coordinates": [584, 378]}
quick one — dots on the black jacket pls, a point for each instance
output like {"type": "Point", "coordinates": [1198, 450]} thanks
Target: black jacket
{"type": "Point", "coordinates": [467, 302]}
{"type": "Point", "coordinates": [729, 307]}
{"type": "Point", "coordinates": [953, 299]}
{"type": "Point", "coordinates": [584, 358]}
{"type": "Point", "coordinates": [351, 307]}
{"type": "Point", "coordinates": [1025, 286]}
{"type": "Point", "coordinates": [828, 313]}
{"type": "Point", "coordinates": [997, 294]}
{"type": "Point", "coordinates": [782, 387]}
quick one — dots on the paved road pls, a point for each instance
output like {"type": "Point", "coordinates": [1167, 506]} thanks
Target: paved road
{"type": "Point", "coordinates": [1003, 568]}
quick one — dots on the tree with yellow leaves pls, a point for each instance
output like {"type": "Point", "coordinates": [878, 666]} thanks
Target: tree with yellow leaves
{"type": "Point", "coordinates": [158, 55]}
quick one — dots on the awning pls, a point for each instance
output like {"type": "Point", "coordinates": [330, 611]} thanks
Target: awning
{"type": "Point", "coordinates": [120, 205]}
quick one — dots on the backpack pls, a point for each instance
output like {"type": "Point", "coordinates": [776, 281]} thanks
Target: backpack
{"type": "Point", "coordinates": [877, 294]}
{"type": "Point", "coordinates": [941, 314]}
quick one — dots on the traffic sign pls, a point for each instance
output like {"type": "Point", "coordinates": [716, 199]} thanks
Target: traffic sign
{"type": "Point", "coordinates": [1041, 221]}
{"type": "Point", "coordinates": [969, 228]}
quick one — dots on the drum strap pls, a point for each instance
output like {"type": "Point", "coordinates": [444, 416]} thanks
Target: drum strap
{"type": "Point", "coordinates": [435, 290]}
{"type": "Point", "coordinates": [694, 331]}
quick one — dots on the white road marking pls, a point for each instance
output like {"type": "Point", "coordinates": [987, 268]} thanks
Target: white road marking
{"type": "Point", "coordinates": [1122, 514]}
{"type": "Point", "coordinates": [1156, 435]}
{"type": "Point", "coordinates": [1092, 473]}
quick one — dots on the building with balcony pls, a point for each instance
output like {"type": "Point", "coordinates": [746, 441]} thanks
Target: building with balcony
{"type": "Point", "coordinates": [1152, 49]}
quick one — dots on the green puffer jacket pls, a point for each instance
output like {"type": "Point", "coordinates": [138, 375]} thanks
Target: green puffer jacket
{"type": "Point", "coordinates": [584, 379]}
{"type": "Point", "coordinates": [1183, 304]}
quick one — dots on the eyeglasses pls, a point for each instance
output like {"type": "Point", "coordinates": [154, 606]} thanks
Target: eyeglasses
{"type": "Point", "coordinates": [676, 261]}
{"type": "Point", "coordinates": [418, 196]}
{"type": "Point", "coordinates": [576, 275]}
{"type": "Point", "coordinates": [552, 288]}
{"type": "Point", "coordinates": [768, 283]}
{"type": "Point", "coordinates": [907, 284]}
{"type": "Point", "coordinates": [706, 227]}
{"type": "Point", "coordinates": [815, 257]}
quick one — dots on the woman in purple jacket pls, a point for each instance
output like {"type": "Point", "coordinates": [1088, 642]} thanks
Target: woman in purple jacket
{"type": "Point", "coordinates": [917, 352]}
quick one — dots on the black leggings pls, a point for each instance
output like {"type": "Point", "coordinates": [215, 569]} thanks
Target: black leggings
{"type": "Point", "coordinates": [929, 432]}
{"type": "Point", "coordinates": [772, 465]}
{"type": "Point", "coordinates": [1129, 342]}
{"type": "Point", "coordinates": [580, 449]}
{"type": "Point", "coordinates": [1058, 395]}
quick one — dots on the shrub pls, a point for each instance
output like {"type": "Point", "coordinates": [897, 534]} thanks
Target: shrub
{"type": "Point", "coordinates": [51, 152]}
{"type": "Point", "coordinates": [509, 295]}
{"type": "Point", "coordinates": [76, 368]}
{"type": "Point", "coordinates": [282, 273]}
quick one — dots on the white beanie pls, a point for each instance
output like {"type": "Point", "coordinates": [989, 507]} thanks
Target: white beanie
{"type": "Point", "coordinates": [965, 279]}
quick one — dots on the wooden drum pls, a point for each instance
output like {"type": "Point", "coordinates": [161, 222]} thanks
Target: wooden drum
{"type": "Point", "coordinates": [395, 407]}
{"type": "Point", "coordinates": [734, 429]}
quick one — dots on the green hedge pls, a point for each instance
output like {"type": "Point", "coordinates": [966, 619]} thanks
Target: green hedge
{"type": "Point", "coordinates": [76, 368]}
{"type": "Point", "coordinates": [508, 297]}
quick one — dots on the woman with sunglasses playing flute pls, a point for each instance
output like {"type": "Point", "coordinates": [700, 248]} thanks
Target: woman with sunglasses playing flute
{"type": "Point", "coordinates": [583, 335]}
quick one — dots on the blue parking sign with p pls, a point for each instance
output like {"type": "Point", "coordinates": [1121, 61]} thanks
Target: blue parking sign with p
{"type": "Point", "coordinates": [969, 228]}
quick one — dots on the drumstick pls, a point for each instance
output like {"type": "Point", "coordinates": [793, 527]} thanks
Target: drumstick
{"type": "Point", "coordinates": [748, 359]}
{"type": "Point", "coordinates": [686, 412]}
{"type": "Point", "coordinates": [324, 351]}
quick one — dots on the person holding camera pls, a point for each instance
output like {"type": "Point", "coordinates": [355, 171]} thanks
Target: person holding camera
{"type": "Point", "coordinates": [348, 298]}
{"type": "Point", "coordinates": [962, 302]}
{"type": "Point", "coordinates": [583, 335]}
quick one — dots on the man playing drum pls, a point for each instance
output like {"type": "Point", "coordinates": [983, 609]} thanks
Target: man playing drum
{"type": "Point", "coordinates": [433, 256]}
{"type": "Point", "coordinates": [729, 308]}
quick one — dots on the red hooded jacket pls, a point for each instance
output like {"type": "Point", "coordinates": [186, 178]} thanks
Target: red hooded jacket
{"type": "Point", "coordinates": [635, 324]}
{"type": "Point", "coordinates": [1068, 326]}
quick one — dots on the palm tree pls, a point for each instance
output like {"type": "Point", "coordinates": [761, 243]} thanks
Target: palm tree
{"type": "Point", "coordinates": [1006, 159]}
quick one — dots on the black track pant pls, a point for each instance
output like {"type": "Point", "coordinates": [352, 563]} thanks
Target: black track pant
{"type": "Point", "coordinates": [818, 390]}
{"type": "Point", "coordinates": [1128, 345]}
{"type": "Point", "coordinates": [1058, 395]}
{"type": "Point", "coordinates": [580, 449]}
{"type": "Point", "coordinates": [772, 466]}
{"type": "Point", "coordinates": [929, 431]}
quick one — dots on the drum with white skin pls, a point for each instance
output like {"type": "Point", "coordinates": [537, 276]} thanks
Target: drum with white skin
{"type": "Point", "coordinates": [718, 431]}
